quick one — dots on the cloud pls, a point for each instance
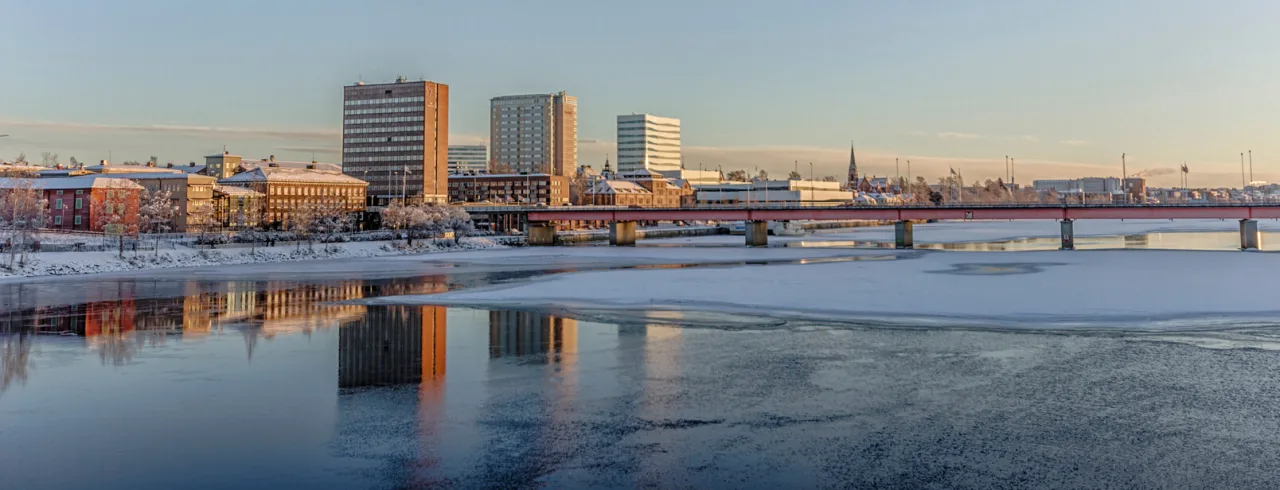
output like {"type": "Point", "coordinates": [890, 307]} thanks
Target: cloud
{"type": "Point", "coordinates": [961, 136]}
{"type": "Point", "coordinates": [1074, 142]}
{"type": "Point", "coordinates": [178, 129]}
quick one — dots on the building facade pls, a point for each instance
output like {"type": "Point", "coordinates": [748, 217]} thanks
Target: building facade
{"type": "Point", "coordinates": [395, 136]}
{"type": "Point", "coordinates": [648, 142]}
{"type": "Point", "coordinates": [86, 203]}
{"type": "Point", "coordinates": [780, 192]}
{"type": "Point", "coordinates": [551, 190]}
{"type": "Point", "coordinates": [534, 133]}
{"type": "Point", "coordinates": [468, 159]}
{"type": "Point", "coordinates": [286, 189]}
{"type": "Point", "coordinates": [191, 194]}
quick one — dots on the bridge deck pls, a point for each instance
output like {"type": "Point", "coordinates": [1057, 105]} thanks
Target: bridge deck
{"type": "Point", "coordinates": [896, 213]}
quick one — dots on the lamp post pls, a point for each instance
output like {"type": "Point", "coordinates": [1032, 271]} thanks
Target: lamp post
{"type": "Point", "coordinates": [811, 184]}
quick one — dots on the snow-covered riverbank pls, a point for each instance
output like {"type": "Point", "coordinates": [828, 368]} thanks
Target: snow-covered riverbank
{"type": "Point", "coordinates": [74, 263]}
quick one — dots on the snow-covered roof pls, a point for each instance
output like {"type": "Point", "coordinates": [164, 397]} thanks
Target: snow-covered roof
{"type": "Point", "coordinates": [323, 167]}
{"type": "Point", "coordinates": [189, 169]}
{"type": "Point", "coordinates": [232, 190]}
{"type": "Point", "coordinates": [80, 182]}
{"type": "Point", "coordinates": [10, 168]}
{"type": "Point", "coordinates": [617, 187]}
{"type": "Point", "coordinates": [276, 174]}
{"type": "Point", "coordinates": [159, 175]}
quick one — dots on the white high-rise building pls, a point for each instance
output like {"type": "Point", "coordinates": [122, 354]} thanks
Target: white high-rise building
{"type": "Point", "coordinates": [647, 142]}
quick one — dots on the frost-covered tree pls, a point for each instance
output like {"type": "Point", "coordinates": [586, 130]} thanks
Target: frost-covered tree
{"type": "Point", "coordinates": [111, 206]}
{"type": "Point", "coordinates": [22, 213]}
{"type": "Point", "coordinates": [330, 219]}
{"type": "Point", "coordinates": [156, 213]}
{"type": "Point", "coordinates": [395, 216]}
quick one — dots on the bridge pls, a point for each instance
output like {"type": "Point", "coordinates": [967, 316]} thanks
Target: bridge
{"type": "Point", "coordinates": [541, 230]}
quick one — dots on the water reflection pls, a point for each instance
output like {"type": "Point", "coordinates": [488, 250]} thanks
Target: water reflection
{"type": "Point", "coordinates": [392, 345]}
{"type": "Point", "coordinates": [523, 333]}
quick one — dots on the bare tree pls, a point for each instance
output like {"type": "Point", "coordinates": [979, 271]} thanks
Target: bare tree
{"type": "Point", "coordinates": [331, 218]}
{"type": "Point", "coordinates": [15, 360]}
{"type": "Point", "coordinates": [156, 213]}
{"type": "Point", "coordinates": [736, 176]}
{"type": "Point", "coordinates": [794, 175]}
{"type": "Point", "coordinates": [21, 159]}
{"type": "Point", "coordinates": [500, 168]}
{"type": "Point", "coordinates": [49, 159]}
{"type": "Point", "coordinates": [830, 178]}
{"type": "Point", "coordinates": [301, 223]}
{"type": "Point", "coordinates": [73, 162]}
{"type": "Point", "coordinates": [111, 206]}
{"type": "Point", "coordinates": [762, 174]}
{"type": "Point", "coordinates": [23, 210]}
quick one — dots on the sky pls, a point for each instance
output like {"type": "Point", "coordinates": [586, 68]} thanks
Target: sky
{"type": "Point", "coordinates": [1065, 88]}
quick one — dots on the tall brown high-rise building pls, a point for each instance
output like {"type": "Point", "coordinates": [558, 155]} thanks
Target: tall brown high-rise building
{"type": "Point", "coordinates": [534, 133]}
{"type": "Point", "coordinates": [395, 136]}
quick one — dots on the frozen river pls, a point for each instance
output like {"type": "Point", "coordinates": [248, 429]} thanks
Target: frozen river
{"type": "Point", "coordinates": [599, 374]}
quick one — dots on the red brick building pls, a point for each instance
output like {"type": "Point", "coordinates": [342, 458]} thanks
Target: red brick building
{"type": "Point", "coordinates": [85, 203]}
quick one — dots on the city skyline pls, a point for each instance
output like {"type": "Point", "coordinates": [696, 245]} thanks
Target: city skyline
{"type": "Point", "coordinates": [1065, 89]}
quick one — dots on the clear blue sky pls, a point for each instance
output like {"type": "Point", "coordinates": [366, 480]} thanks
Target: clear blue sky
{"type": "Point", "coordinates": [1064, 86]}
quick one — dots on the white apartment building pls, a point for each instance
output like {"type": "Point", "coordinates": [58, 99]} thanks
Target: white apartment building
{"type": "Point", "coordinates": [648, 142]}
{"type": "Point", "coordinates": [534, 133]}
{"type": "Point", "coordinates": [465, 159]}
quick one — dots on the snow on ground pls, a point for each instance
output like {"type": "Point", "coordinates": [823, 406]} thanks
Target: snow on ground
{"type": "Point", "coordinates": [971, 231]}
{"type": "Point", "coordinates": [71, 263]}
{"type": "Point", "coordinates": [1093, 289]}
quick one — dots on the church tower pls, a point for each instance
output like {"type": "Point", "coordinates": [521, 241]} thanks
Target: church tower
{"type": "Point", "coordinates": [853, 169]}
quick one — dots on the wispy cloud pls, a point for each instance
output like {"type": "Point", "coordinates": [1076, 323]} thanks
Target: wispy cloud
{"type": "Point", "coordinates": [1074, 142]}
{"type": "Point", "coordinates": [177, 129]}
{"type": "Point", "coordinates": [960, 136]}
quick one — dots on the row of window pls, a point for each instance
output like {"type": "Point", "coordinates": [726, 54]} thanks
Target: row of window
{"type": "Point", "coordinates": [57, 203]}
{"type": "Point", "coordinates": [392, 129]}
{"type": "Point", "coordinates": [391, 158]}
{"type": "Point", "coordinates": [57, 220]}
{"type": "Point", "coordinates": [315, 191]}
{"type": "Point", "coordinates": [375, 120]}
{"type": "Point", "coordinates": [381, 110]}
{"type": "Point", "coordinates": [376, 149]}
{"type": "Point", "coordinates": [390, 100]}
{"type": "Point", "coordinates": [382, 139]}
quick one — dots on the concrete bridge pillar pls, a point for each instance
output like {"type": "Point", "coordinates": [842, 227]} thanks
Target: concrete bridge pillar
{"type": "Point", "coordinates": [541, 234]}
{"type": "Point", "coordinates": [904, 235]}
{"type": "Point", "coordinates": [1249, 237]}
{"type": "Point", "coordinates": [757, 233]}
{"type": "Point", "coordinates": [1068, 235]}
{"type": "Point", "coordinates": [622, 233]}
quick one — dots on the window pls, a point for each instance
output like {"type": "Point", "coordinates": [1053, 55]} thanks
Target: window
{"type": "Point", "coordinates": [57, 204]}
{"type": "Point", "coordinates": [59, 192]}
{"type": "Point", "coordinates": [78, 192]}
{"type": "Point", "coordinates": [57, 220]}
{"type": "Point", "coordinates": [79, 204]}
{"type": "Point", "coordinates": [77, 221]}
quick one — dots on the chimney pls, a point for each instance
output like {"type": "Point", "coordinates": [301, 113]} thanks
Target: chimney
{"type": "Point", "coordinates": [104, 163]}
{"type": "Point", "coordinates": [192, 164]}
{"type": "Point", "coordinates": [168, 165]}
{"type": "Point", "coordinates": [273, 158]}
{"type": "Point", "coordinates": [151, 163]}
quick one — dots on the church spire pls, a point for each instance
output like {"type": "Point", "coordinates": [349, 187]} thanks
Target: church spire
{"type": "Point", "coordinates": [853, 168]}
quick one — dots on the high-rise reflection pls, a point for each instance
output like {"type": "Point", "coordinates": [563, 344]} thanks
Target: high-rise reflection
{"type": "Point", "coordinates": [522, 333]}
{"type": "Point", "coordinates": [391, 345]}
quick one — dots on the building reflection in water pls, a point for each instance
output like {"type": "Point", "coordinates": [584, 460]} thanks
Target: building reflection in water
{"type": "Point", "coordinates": [390, 345]}
{"type": "Point", "coordinates": [117, 328]}
{"type": "Point", "coordinates": [523, 333]}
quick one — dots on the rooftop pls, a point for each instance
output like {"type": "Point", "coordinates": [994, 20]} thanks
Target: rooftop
{"type": "Point", "coordinates": [323, 167]}
{"type": "Point", "coordinates": [617, 187]}
{"type": "Point", "coordinates": [159, 175]}
{"type": "Point", "coordinates": [278, 174]}
{"type": "Point", "coordinates": [232, 190]}
{"type": "Point", "coordinates": [80, 182]}
{"type": "Point", "coordinates": [487, 176]}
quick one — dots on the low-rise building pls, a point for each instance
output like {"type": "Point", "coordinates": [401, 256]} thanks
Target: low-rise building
{"type": "Point", "coordinates": [86, 203]}
{"type": "Point", "coordinates": [287, 189]}
{"type": "Point", "coordinates": [618, 193]}
{"type": "Point", "coordinates": [192, 194]}
{"type": "Point", "coordinates": [552, 190]}
{"type": "Point", "coordinates": [237, 207]}
{"type": "Point", "coordinates": [774, 192]}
